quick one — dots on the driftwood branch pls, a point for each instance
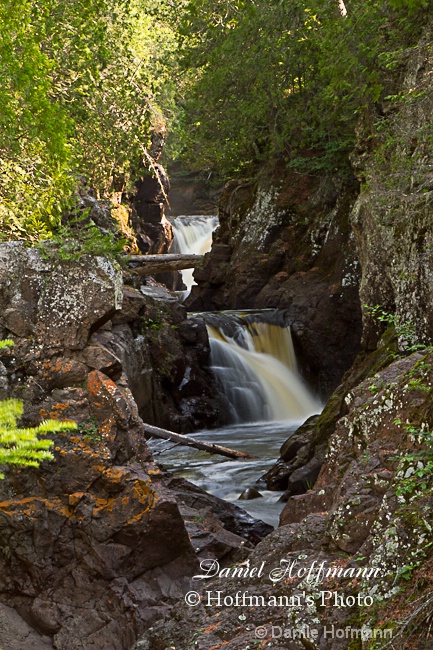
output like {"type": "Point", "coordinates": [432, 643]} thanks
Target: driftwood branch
{"type": "Point", "coordinates": [197, 444]}
{"type": "Point", "coordinates": [149, 264]}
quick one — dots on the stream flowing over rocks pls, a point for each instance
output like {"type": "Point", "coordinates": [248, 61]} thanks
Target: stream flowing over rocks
{"type": "Point", "coordinates": [99, 548]}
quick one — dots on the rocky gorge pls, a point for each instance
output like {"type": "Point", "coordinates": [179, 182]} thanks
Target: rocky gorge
{"type": "Point", "coordinates": [99, 548]}
{"type": "Point", "coordinates": [349, 261]}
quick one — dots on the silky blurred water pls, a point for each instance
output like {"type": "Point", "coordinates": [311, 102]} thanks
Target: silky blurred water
{"type": "Point", "coordinates": [192, 234]}
{"type": "Point", "coordinates": [228, 478]}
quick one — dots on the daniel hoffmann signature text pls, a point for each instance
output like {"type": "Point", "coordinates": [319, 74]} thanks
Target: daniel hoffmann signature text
{"type": "Point", "coordinates": [315, 573]}
{"type": "Point", "coordinates": [310, 575]}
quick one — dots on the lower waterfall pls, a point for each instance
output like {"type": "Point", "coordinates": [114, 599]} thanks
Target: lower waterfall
{"type": "Point", "coordinates": [254, 362]}
{"type": "Point", "coordinates": [192, 234]}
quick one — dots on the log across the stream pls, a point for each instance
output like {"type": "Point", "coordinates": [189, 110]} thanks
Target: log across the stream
{"type": "Point", "coordinates": [190, 442]}
{"type": "Point", "coordinates": [148, 264]}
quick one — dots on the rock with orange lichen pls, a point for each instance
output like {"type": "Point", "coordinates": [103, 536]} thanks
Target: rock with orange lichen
{"type": "Point", "coordinates": [95, 546]}
{"type": "Point", "coordinates": [60, 372]}
{"type": "Point", "coordinates": [116, 415]}
{"type": "Point", "coordinates": [96, 553]}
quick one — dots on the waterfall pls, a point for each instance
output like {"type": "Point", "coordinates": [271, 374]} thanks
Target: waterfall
{"type": "Point", "coordinates": [192, 234]}
{"type": "Point", "coordinates": [253, 359]}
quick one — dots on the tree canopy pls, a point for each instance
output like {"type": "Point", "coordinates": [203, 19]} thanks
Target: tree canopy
{"type": "Point", "coordinates": [78, 95]}
{"type": "Point", "coordinates": [237, 83]}
{"type": "Point", "coordinates": [285, 79]}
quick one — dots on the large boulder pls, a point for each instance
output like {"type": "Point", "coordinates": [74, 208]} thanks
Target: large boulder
{"type": "Point", "coordinates": [57, 303]}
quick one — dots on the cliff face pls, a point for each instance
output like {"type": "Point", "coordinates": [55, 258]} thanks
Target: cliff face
{"type": "Point", "coordinates": [393, 219]}
{"type": "Point", "coordinates": [97, 544]}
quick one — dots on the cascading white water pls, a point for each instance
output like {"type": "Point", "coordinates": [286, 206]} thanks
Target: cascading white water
{"type": "Point", "coordinates": [255, 367]}
{"type": "Point", "coordinates": [193, 235]}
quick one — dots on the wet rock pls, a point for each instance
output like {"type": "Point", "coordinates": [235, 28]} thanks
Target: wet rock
{"type": "Point", "coordinates": [232, 517]}
{"type": "Point", "coordinates": [250, 493]}
{"type": "Point", "coordinates": [303, 478]}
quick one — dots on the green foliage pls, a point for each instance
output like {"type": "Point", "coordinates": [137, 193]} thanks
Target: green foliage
{"type": "Point", "coordinates": [284, 78]}
{"type": "Point", "coordinates": [78, 94]}
{"type": "Point", "coordinates": [405, 330]}
{"type": "Point", "coordinates": [155, 323]}
{"type": "Point", "coordinates": [415, 469]}
{"type": "Point", "coordinates": [22, 446]}
{"type": "Point", "coordinates": [80, 236]}
{"type": "Point", "coordinates": [84, 85]}
{"type": "Point", "coordinates": [34, 152]}
{"type": "Point", "coordinates": [89, 429]}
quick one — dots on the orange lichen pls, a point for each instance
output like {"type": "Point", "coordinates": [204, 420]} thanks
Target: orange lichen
{"type": "Point", "coordinates": [75, 498]}
{"type": "Point", "coordinates": [143, 493]}
{"type": "Point", "coordinates": [97, 384]}
{"type": "Point", "coordinates": [115, 475]}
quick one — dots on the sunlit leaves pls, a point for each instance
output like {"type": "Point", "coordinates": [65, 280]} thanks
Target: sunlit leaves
{"type": "Point", "coordinates": [81, 88]}
{"type": "Point", "coordinates": [23, 446]}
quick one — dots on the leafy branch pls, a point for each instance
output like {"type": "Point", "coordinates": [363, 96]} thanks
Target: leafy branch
{"type": "Point", "coordinates": [22, 446]}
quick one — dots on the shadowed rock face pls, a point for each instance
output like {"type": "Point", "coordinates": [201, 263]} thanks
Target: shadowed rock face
{"type": "Point", "coordinates": [153, 230]}
{"type": "Point", "coordinates": [96, 545]}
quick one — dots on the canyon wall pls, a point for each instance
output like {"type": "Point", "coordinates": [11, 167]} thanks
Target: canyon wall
{"type": "Point", "coordinates": [98, 543]}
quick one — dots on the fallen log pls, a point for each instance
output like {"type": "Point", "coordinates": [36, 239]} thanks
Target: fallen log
{"type": "Point", "coordinates": [149, 264]}
{"type": "Point", "coordinates": [190, 442]}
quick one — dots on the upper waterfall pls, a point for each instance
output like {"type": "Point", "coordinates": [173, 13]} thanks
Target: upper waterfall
{"type": "Point", "coordinates": [254, 362]}
{"type": "Point", "coordinates": [192, 234]}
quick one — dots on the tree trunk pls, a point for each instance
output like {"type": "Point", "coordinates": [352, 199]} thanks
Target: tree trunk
{"type": "Point", "coordinates": [190, 442]}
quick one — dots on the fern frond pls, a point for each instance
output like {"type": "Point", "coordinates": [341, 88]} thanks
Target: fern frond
{"type": "Point", "coordinates": [22, 446]}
